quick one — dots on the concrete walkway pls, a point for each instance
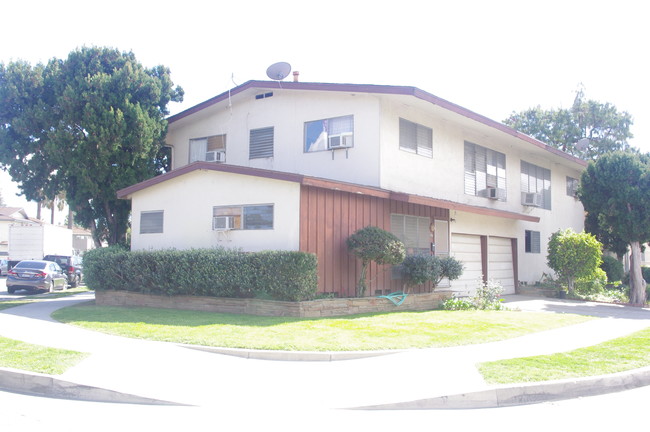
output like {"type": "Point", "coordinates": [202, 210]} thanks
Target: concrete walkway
{"type": "Point", "coordinates": [136, 371]}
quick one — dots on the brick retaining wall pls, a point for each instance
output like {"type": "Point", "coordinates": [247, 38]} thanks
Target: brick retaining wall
{"type": "Point", "coordinates": [306, 309]}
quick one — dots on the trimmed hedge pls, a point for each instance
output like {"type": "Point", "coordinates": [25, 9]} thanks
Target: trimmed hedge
{"type": "Point", "coordinates": [219, 272]}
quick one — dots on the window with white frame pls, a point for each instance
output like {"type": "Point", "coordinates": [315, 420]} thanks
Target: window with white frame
{"type": "Point", "coordinates": [413, 231]}
{"type": "Point", "coordinates": [532, 241]}
{"type": "Point", "coordinates": [211, 149]}
{"type": "Point", "coordinates": [415, 138]}
{"type": "Point", "coordinates": [243, 217]}
{"type": "Point", "coordinates": [485, 172]}
{"type": "Point", "coordinates": [329, 134]}
{"type": "Point", "coordinates": [151, 222]}
{"type": "Point", "coordinates": [535, 186]}
{"type": "Point", "coordinates": [261, 143]}
{"type": "Point", "coordinates": [572, 186]}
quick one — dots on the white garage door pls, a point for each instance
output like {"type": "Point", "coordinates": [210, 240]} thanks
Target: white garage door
{"type": "Point", "coordinates": [467, 249]}
{"type": "Point", "coordinates": [500, 266]}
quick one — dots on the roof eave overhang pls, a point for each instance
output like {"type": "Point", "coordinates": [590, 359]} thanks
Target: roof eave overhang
{"type": "Point", "coordinates": [126, 193]}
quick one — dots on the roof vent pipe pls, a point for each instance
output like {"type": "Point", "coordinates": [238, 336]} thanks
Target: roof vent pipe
{"type": "Point", "coordinates": [295, 76]}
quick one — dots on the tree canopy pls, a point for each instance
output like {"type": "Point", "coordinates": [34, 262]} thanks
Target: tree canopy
{"type": "Point", "coordinates": [587, 130]}
{"type": "Point", "coordinates": [615, 193]}
{"type": "Point", "coordinates": [86, 126]}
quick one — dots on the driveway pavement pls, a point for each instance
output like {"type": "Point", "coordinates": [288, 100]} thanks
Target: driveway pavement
{"type": "Point", "coordinates": [127, 370]}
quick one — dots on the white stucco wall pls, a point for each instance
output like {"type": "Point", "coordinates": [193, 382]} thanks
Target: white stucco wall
{"type": "Point", "coordinates": [442, 176]}
{"type": "Point", "coordinates": [188, 200]}
{"type": "Point", "coordinates": [287, 112]}
{"type": "Point", "coordinates": [377, 160]}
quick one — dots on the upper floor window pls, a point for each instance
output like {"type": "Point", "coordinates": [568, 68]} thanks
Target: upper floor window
{"type": "Point", "coordinates": [415, 138]}
{"type": "Point", "coordinates": [572, 186]}
{"type": "Point", "coordinates": [151, 222]}
{"type": "Point", "coordinates": [261, 143]}
{"type": "Point", "coordinates": [328, 134]}
{"type": "Point", "coordinates": [535, 186]}
{"type": "Point", "coordinates": [485, 172]}
{"type": "Point", "coordinates": [211, 149]}
{"type": "Point", "coordinates": [243, 217]}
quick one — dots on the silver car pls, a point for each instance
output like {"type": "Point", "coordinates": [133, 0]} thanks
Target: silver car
{"type": "Point", "coordinates": [4, 266]}
{"type": "Point", "coordinates": [36, 276]}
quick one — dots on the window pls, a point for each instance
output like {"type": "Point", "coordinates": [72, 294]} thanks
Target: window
{"type": "Point", "coordinates": [571, 186]}
{"type": "Point", "coordinates": [415, 138]}
{"type": "Point", "coordinates": [261, 143]}
{"type": "Point", "coordinates": [329, 134]}
{"type": "Point", "coordinates": [535, 186]}
{"type": "Point", "coordinates": [211, 149]}
{"type": "Point", "coordinates": [151, 222]}
{"type": "Point", "coordinates": [243, 217]}
{"type": "Point", "coordinates": [413, 231]}
{"type": "Point", "coordinates": [485, 172]}
{"type": "Point", "coordinates": [533, 242]}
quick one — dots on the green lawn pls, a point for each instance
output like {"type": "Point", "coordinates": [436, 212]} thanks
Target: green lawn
{"type": "Point", "coordinates": [35, 358]}
{"type": "Point", "coordinates": [399, 330]}
{"type": "Point", "coordinates": [618, 355]}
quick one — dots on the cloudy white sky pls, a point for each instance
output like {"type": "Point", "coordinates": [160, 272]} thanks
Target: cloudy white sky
{"type": "Point", "coordinates": [492, 57]}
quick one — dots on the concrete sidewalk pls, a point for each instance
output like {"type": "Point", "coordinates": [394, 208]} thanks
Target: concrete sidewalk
{"type": "Point", "coordinates": [136, 371]}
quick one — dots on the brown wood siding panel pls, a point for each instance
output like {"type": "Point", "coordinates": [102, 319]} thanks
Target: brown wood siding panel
{"type": "Point", "coordinates": [328, 218]}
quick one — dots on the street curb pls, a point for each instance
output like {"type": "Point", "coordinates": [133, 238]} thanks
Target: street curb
{"type": "Point", "coordinates": [324, 356]}
{"type": "Point", "coordinates": [526, 394]}
{"type": "Point", "coordinates": [37, 384]}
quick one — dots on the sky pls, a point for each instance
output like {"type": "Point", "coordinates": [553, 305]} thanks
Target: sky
{"type": "Point", "coordinates": [492, 57]}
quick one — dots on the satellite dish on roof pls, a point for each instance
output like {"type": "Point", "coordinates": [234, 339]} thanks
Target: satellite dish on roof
{"type": "Point", "coordinates": [278, 71]}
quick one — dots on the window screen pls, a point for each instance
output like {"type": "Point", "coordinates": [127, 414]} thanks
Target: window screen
{"type": "Point", "coordinates": [533, 244]}
{"type": "Point", "coordinates": [484, 169]}
{"type": "Point", "coordinates": [535, 179]}
{"type": "Point", "coordinates": [261, 143]}
{"type": "Point", "coordinates": [415, 138]}
{"type": "Point", "coordinates": [151, 222]}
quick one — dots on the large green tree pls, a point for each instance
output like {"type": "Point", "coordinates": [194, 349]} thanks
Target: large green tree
{"type": "Point", "coordinates": [588, 129]}
{"type": "Point", "coordinates": [615, 192]}
{"type": "Point", "coordinates": [87, 126]}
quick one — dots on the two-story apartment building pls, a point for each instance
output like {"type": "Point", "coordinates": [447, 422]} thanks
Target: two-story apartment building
{"type": "Point", "coordinates": [301, 166]}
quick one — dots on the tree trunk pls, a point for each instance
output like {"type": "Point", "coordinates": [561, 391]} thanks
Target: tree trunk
{"type": "Point", "coordinates": [38, 210]}
{"type": "Point", "coordinates": [95, 235]}
{"type": "Point", "coordinates": [571, 285]}
{"type": "Point", "coordinates": [637, 283]}
{"type": "Point", "coordinates": [70, 217]}
{"type": "Point", "coordinates": [361, 286]}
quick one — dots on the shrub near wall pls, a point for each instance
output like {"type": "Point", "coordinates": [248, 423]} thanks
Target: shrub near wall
{"type": "Point", "coordinates": [219, 272]}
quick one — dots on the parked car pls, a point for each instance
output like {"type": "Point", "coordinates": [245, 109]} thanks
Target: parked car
{"type": "Point", "coordinates": [32, 275]}
{"type": "Point", "coordinates": [4, 266]}
{"type": "Point", "coordinates": [72, 265]}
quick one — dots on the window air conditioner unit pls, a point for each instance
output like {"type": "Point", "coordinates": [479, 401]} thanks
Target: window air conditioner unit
{"type": "Point", "coordinates": [222, 223]}
{"type": "Point", "coordinates": [215, 156]}
{"type": "Point", "coordinates": [492, 193]}
{"type": "Point", "coordinates": [343, 140]}
{"type": "Point", "coordinates": [533, 199]}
